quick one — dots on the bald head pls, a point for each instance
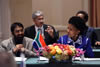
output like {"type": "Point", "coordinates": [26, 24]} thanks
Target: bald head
{"type": "Point", "coordinates": [7, 60]}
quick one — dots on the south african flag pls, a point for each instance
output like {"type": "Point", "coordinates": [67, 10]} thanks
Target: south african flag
{"type": "Point", "coordinates": [38, 41]}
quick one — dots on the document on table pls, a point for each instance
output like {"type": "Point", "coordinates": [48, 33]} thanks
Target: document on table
{"type": "Point", "coordinates": [43, 58]}
{"type": "Point", "coordinates": [87, 59]}
{"type": "Point", "coordinates": [20, 59]}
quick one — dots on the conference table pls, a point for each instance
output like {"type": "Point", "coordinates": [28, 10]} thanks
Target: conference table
{"type": "Point", "coordinates": [35, 62]}
{"type": "Point", "coordinates": [96, 53]}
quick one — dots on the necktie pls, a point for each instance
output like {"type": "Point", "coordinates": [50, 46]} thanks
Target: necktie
{"type": "Point", "coordinates": [40, 30]}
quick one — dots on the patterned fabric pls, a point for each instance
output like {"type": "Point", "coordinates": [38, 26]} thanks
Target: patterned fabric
{"type": "Point", "coordinates": [82, 42]}
{"type": "Point", "coordinates": [78, 41]}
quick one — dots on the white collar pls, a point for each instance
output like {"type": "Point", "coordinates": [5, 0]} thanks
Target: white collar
{"type": "Point", "coordinates": [36, 29]}
{"type": "Point", "coordinates": [78, 41]}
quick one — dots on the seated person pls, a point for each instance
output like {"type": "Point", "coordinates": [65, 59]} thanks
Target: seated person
{"type": "Point", "coordinates": [7, 60]}
{"type": "Point", "coordinates": [48, 32]}
{"type": "Point", "coordinates": [97, 43]}
{"type": "Point", "coordinates": [89, 31]}
{"type": "Point", "coordinates": [18, 43]}
{"type": "Point", "coordinates": [75, 37]}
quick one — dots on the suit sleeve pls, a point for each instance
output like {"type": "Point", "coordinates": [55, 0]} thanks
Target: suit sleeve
{"type": "Point", "coordinates": [4, 47]}
{"type": "Point", "coordinates": [56, 35]}
{"type": "Point", "coordinates": [59, 40]}
{"type": "Point", "coordinates": [26, 32]}
{"type": "Point", "coordinates": [30, 50]}
{"type": "Point", "coordinates": [1, 47]}
{"type": "Point", "coordinates": [89, 52]}
{"type": "Point", "coordinates": [51, 40]}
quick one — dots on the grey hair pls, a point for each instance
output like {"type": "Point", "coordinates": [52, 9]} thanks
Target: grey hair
{"type": "Point", "coordinates": [36, 13]}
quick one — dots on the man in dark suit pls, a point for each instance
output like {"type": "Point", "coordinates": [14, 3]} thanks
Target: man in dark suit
{"type": "Point", "coordinates": [48, 32]}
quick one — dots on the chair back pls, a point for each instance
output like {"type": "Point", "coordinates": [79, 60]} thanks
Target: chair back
{"type": "Point", "coordinates": [97, 31]}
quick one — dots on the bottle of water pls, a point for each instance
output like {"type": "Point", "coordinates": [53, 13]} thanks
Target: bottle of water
{"type": "Point", "coordinates": [73, 58]}
{"type": "Point", "coordinates": [82, 56]}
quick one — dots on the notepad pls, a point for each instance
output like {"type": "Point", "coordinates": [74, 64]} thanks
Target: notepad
{"type": "Point", "coordinates": [43, 58]}
{"type": "Point", "coordinates": [20, 59]}
{"type": "Point", "coordinates": [87, 59]}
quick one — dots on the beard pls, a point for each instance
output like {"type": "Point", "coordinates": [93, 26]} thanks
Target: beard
{"type": "Point", "coordinates": [18, 40]}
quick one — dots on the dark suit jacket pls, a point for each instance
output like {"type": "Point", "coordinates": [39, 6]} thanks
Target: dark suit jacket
{"type": "Point", "coordinates": [30, 32]}
{"type": "Point", "coordinates": [92, 35]}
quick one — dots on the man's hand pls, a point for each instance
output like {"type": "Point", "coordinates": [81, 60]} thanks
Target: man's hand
{"type": "Point", "coordinates": [18, 47]}
{"type": "Point", "coordinates": [97, 43]}
{"type": "Point", "coordinates": [50, 31]}
{"type": "Point", "coordinates": [22, 49]}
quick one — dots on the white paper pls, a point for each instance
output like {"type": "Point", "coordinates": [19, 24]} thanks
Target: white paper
{"type": "Point", "coordinates": [43, 58]}
{"type": "Point", "coordinates": [20, 59]}
{"type": "Point", "coordinates": [87, 59]}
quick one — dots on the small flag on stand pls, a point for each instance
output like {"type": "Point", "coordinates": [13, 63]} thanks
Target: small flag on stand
{"type": "Point", "coordinates": [39, 41]}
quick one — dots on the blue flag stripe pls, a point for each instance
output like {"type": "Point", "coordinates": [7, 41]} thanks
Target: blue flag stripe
{"type": "Point", "coordinates": [35, 45]}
